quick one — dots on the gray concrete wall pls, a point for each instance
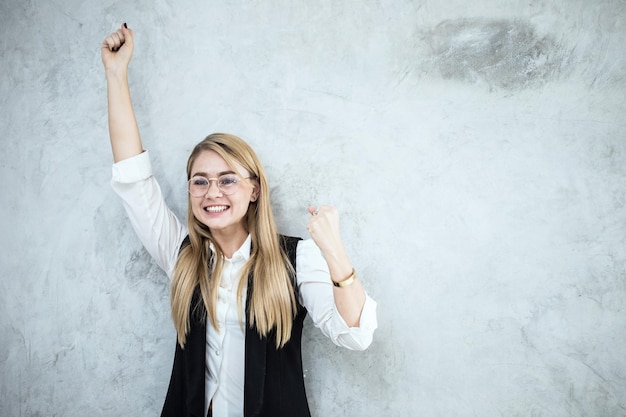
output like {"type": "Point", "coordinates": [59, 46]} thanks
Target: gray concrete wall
{"type": "Point", "coordinates": [476, 151]}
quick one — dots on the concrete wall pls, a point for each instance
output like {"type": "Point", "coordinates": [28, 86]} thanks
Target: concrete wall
{"type": "Point", "coordinates": [476, 151]}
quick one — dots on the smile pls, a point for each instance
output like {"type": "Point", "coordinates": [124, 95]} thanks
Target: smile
{"type": "Point", "coordinates": [216, 209]}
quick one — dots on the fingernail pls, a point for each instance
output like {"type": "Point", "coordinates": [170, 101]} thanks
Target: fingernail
{"type": "Point", "coordinates": [125, 25]}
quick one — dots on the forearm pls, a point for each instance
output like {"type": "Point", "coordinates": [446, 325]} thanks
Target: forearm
{"type": "Point", "coordinates": [123, 129]}
{"type": "Point", "coordinates": [350, 298]}
{"type": "Point", "coordinates": [323, 301]}
{"type": "Point", "coordinates": [324, 229]}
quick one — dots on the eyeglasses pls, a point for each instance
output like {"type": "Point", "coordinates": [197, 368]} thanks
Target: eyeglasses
{"type": "Point", "coordinates": [228, 184]}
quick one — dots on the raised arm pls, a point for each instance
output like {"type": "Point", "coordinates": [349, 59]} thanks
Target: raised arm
{"type": "Point", "coordinates": [350, 295]}
{"type": "Point", "coordinates": [117, 50]}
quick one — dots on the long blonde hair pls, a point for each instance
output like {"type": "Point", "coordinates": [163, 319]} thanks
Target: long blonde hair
{"type": "Point", "coordinates": [272, 302]}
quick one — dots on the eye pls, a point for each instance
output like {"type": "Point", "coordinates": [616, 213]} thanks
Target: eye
{"type": "Point", "coordinates": [199, 181]}
{"type": "Point", "coordinates": [227, 180]}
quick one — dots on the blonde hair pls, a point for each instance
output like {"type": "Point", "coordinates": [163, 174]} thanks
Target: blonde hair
{"type": "Point", "coordinates": [272, 300]}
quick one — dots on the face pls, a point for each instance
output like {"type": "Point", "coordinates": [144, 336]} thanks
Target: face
{"type": "Point", "coordinates": [222, 214]}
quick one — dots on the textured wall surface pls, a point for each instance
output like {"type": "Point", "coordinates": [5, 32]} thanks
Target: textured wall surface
{"type": "Point", "coordinates": [476, 151]}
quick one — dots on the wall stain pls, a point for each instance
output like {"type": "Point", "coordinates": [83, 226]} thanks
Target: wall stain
{"type": "Point", "coordinates": [508, 54]}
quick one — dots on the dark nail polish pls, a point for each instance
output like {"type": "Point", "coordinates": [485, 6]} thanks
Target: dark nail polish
{"type": "Point", "coordinates": [125, 25]}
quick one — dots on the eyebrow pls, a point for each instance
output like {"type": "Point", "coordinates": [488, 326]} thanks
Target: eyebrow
{"type": "Point", "coordinates": [206, 175]}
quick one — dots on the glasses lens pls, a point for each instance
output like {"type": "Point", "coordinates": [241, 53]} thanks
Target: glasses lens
{"type": "Point", "coordinates": [198, 186]}
{"type": "Point", "coordinates": [228, 183]}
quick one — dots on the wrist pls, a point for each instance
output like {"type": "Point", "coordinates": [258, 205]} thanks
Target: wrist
{"type": "Point", "coordinates": [115, 75]}
{"type": "Point", "coordinates": [345, 281]}
{"type": "Point", "coordinates": [335, 254]}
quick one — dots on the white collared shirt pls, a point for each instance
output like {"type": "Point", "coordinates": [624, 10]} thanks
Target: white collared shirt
{"type": "Point", "coordinates": [162, 233]}
{"type": "Point", "coordinates": [225, 350]}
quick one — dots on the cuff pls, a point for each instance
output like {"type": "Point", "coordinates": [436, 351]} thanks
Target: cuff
{"type": "Point", "coordinates": [367, 321]}
{"type": "Point", "coordinates": [133, 169]}
{"type": "Point", "coordinates": [357, 338]}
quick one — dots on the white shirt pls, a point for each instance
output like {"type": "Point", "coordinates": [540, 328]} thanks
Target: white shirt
{"type": "Point", "coordinates": [225, 350]}
{"type": "Point", "coordinates": [162, 233]}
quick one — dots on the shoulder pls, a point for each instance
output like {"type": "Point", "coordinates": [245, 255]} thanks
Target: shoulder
{"type": "Point", "coordinates": [289, 244]}
{"type": "Point", "coordinates": [307, 246]}
{"type": "Point", "coordinates": [185, 242]}
{"type": "Point", "coordinates": [289, 241]}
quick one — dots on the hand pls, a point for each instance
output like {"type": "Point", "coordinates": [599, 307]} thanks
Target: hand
{"type": "Point", "coordinates": [324, 229]}
{"type": "Point", "coordinates": [117, 50]}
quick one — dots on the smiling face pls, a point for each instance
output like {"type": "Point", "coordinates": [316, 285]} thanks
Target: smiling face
{"type": "Point", "coordinates": [223, 214]}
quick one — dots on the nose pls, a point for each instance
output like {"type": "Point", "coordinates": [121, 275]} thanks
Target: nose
{"type": "Point", "coordinates": [211, 191]}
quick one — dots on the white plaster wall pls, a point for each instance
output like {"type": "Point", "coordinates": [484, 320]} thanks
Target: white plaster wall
{"type": "Point", "coordinates": [476, 151]}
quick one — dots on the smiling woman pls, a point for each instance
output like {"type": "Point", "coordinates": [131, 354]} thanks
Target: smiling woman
{"type": "Point", "coordinates": [239, 290]}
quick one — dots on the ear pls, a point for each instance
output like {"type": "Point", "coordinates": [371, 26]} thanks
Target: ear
{"type": "Point", "coordinates": [255, 194]}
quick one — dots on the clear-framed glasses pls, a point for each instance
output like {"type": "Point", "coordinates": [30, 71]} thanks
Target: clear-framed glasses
{"type": "Point", "coordinates": [228, 184]}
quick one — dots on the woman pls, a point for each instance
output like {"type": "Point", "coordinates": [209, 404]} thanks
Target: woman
{"type": "Point", "coordinates": [239, 290]}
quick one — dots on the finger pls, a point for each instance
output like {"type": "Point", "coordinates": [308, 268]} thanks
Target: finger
{"type": "Point", "coordinates": [313, 210]}
{"type": "Point", "coordinates": [118, 42]}
{"type": "Point", "coordinates": [120, 39]}
{"type": "Point", "coordinates": [112, 41]}
{"type": "Point", "coordinates": [108, 43]}
{"type": "Point", "coordinates": [120, 35]}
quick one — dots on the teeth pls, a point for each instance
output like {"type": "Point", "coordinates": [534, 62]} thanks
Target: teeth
{"type": "Point", "coordinates": [215, 209]}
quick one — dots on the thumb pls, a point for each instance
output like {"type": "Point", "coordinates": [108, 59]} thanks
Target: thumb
{"type": "Point", "coordinates": [312, 210]}
{"type": "Point", "coordinates": [128, 34]}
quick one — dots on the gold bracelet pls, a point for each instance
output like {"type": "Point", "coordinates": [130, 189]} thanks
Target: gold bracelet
{"type": "Point", "coordinates": [346, 281]}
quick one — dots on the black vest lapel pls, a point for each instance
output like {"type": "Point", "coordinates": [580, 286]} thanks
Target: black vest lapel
{"type": "Point", "coordinates": [196, 348]}
{"type": "Point", "coordinates": [185, 395]}
{"type": "Point", "coordinates": [254, 365]}
{"type": "Point", "coordinates": [257, 354]}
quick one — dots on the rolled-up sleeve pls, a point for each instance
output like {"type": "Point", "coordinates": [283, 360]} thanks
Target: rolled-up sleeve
{"type": "Point", "coordinates": [316, 295]}
{"type": "Point", "coordinates": [155, 224]}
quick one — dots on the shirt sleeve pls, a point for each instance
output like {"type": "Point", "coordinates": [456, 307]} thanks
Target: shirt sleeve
{"type": "Point", "coordinates": [159, 230]}
{"type": "Point", "coordinates": [316, 295]}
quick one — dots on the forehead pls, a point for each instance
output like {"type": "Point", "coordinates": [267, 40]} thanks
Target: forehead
{"type": "Point", "coordinates": [210, 162]}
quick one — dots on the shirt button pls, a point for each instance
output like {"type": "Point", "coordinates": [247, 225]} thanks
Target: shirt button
{"type": "Point", "coordinates": [217, 352]}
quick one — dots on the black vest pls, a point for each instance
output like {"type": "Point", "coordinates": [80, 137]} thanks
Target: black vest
{"type": "Point", "coordinates": [273, 381]}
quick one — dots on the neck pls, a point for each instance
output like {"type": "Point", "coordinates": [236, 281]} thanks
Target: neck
{"type": "Point", "coordinates": [229, 241]}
